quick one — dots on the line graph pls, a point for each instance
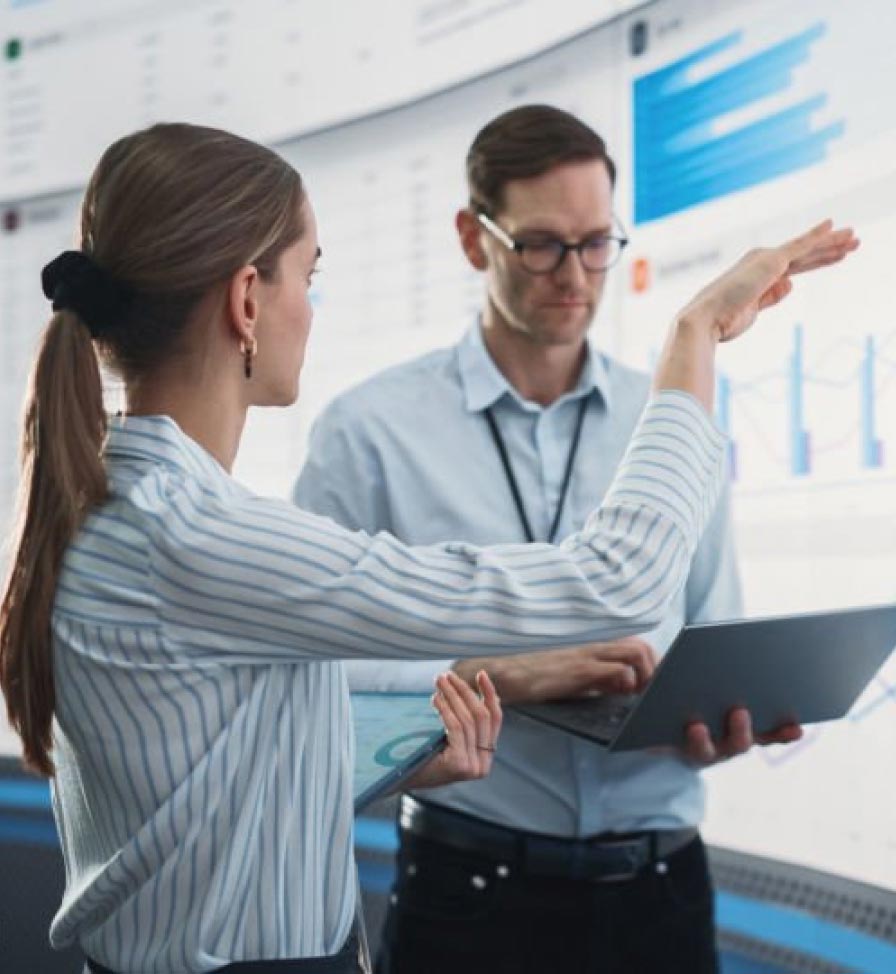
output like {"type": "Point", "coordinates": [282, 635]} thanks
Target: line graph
{"type": "Point", "coordinates": [858, 372]}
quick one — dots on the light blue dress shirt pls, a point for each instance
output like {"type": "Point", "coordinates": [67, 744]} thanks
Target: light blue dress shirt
{"type": "Point", "coordinates": [409, 452]}
{"type": "Point", "coordinates": [202, 732]}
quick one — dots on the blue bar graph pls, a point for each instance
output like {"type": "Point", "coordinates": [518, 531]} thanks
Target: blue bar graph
{"type": "Point", "coordinates": [680, 158]}
{"type": "Point", "coordinates": [799, 438]}
{"type": "Point", "coordinates": [872, 451]}
{"type": "Point", "coordinates": [784, 389]}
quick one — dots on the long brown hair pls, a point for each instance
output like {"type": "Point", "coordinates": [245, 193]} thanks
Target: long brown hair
{"type": "Point", "coordinates": [170, 213]}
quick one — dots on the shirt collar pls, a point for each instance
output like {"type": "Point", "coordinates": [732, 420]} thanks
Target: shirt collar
{"type": "Point", "coordinates": [159, 439]}
{"type": "Point", "coordinates": [484, 384]}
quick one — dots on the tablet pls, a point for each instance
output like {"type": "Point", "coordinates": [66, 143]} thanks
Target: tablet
{"type": "Point", "coordinates": [785, 669]}
{"type": "Point", "coordinates": [394, 734]}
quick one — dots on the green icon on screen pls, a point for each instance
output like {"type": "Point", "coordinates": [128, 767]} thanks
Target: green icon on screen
{"type": "Point", "coordinates": [13, 49]}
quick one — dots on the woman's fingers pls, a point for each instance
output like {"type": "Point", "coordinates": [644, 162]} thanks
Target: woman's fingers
{"type": "Point", "coordinates": [464, 730]}
{"type": "Point", "coordinates": [761, 279]}
{"type": "Point", "coordinates": [474, 720]}
{"type": "Point", "coordinates": [492, 704]}
{"type": "Point", "coordinates": [454, 730]}
{"type": "Point", "coordinates": [820, 247]}
{"type": "Point", "coordinates": [803, 243]}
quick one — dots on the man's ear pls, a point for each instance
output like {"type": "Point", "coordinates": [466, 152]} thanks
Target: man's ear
{"type": "Point", "coordinates": [243, 303]}
{"type": "Point", "coordinates": [469, 231]}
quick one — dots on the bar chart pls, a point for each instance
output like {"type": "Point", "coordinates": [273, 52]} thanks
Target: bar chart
{"type": "Point", "coordinates": [864, 376]}
{"type": "Point", "coordinates": [692, 142]}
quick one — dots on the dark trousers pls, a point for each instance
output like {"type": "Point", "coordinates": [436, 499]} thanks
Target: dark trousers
{"type": "Point", "coordinates": [452, 912]}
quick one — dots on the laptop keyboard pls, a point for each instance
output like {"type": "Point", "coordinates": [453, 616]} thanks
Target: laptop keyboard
{"type": "Point", "coordinates": [597, 718]}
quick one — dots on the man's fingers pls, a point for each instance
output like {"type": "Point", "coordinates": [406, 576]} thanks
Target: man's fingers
{"type": "Point", "coordinates": [786, 734]}
{"type": "Point", "coordinates": [634, 652]}
{"type": "Point", "coordinates": [739, 732]}
{"type": "Point", "coordinates": [698, 743]}
{"type": "Point", "coordinates": [602, 677]}
{"type": "Point", "coordinates": [739, 738]}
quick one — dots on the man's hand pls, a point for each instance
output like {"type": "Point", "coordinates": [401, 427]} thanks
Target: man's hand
{"type": "Point", "coordinates": [700, 748]}
{"type": "Point", "coordinates": [621, 666]}
{"type": "Point", "coordinates": [472, 724]}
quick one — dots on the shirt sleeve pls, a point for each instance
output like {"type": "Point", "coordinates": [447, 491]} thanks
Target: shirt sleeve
{"type": "Point", "coordinates": [713, 591]}
{"type": "Point", "coordinates": [255, 579]}
{"type": "Point", "coordinates": [343, 478]}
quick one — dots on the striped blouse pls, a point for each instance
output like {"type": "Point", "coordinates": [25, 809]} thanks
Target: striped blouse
{"type": "Point", "coordinates": [203, 738]}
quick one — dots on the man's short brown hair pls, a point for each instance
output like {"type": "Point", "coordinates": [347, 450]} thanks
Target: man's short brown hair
{"type": "Point", "coordinates": [524, 142]}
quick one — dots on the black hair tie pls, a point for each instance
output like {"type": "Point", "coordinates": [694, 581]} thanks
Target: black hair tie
{"type": "Point", "coordinates": [74, 282]}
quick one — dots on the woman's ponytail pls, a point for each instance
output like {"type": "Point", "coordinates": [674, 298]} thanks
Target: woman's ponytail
{"type": "Point", "coordinates": [62, 477]}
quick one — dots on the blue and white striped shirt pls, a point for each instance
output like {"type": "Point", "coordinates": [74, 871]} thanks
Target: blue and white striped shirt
{"type": "Point", "coordinates": [202, 738]}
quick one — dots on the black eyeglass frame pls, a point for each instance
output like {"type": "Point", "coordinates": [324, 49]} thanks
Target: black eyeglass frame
{"type": "Point", "coordinates": [519, 246]}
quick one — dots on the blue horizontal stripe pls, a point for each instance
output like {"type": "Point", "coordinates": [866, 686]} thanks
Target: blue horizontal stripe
{"type": "Point", "coordinates": [750, 142]}
{"type": "Point", "coordinates": [804, 932]}
{"type": "Point", "coordinates": [19, 793]}
{"type": "Point", "coordinates": [674, 75]}
{"type": "Point", "coordinates": [704, 102]}
{"type": "Point", "coordinates": [377, 834]}
{"type": "Point", "coordinates": [812, 151]}
{"type": "Point", "coordinates": [376, 877]}
{"type": "Point", "coordinates": [28, 831]}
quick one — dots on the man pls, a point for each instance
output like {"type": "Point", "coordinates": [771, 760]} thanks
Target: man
{"type": "Point", "coordinates": [566, 858]}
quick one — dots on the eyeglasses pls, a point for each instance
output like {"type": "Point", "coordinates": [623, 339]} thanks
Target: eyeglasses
{"type": "Point", "coordinates": [543, 255]}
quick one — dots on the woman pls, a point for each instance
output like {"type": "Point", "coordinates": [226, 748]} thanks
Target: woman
{"type": "Point", "coordinates": [167, 638]}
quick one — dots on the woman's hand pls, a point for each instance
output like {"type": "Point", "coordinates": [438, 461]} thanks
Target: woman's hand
{"type": "Point", "coordinates": [729, 305]}
{"type": "Point", "coordinates": [472, 724]}
{"type": "Point", "coordinates": [761, 278]}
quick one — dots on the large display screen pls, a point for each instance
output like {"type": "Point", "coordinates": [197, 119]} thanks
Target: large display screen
{"type": "Point", "coordinates": [73, 76]}
{"type": "Point", "coordinates": [747, 123]}
{"type": "Point", "coordinates": [733, 123]}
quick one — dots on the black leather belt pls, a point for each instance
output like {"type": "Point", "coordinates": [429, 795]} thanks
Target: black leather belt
{"type": "Point", "coordinates": [608, 857]}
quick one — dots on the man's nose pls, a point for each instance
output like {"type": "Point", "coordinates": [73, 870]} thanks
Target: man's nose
{"type": "Point", "coordinates": [571, 270]}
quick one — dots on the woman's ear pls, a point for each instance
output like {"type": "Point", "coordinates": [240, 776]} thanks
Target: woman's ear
{"type": "Point", "coordinates": [243, 303]}
{"type": "Point", "coordinates": [469, 231]}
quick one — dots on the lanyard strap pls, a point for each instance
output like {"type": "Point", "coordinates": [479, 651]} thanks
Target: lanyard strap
{"type": "Point", "coordinates": [501, 447]}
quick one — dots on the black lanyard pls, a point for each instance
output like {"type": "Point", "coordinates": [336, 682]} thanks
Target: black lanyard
{"type": "Point", "coordinates": [511, 479]}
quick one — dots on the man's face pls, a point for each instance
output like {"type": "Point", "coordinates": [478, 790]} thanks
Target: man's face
{"type": "Point", "coordinates": [570, 202]}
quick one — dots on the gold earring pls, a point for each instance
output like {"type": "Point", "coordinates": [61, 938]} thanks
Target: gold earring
{"type": "Point", "coordinates": [249, 350]}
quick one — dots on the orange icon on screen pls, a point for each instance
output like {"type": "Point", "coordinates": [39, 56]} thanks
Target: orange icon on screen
{"type": "Point", "coordinates": [640, 275]}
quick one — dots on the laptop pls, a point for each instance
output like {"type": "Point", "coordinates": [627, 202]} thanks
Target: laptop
{"type": "Point", "coordinates": [784, 669]}
{"type": "Point", "coordinates": [394, 734]}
